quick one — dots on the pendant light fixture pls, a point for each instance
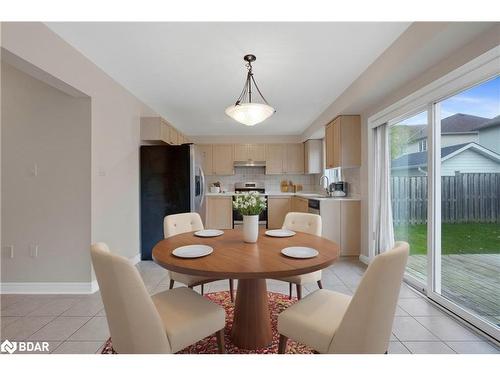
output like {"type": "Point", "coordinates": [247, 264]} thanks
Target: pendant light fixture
{"type": "Point", "coordinates": [244, 110]}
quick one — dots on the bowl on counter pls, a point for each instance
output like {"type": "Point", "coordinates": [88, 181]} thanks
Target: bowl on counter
{"type": "Point", "coordinates": [214, 189]}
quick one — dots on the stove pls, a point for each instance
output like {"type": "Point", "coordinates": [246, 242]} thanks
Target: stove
{"type": "Point", "coordinates": [246, 187]}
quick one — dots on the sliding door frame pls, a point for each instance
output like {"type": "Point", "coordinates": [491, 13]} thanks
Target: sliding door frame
{"type": "Point", "coordinates": [428, 98]}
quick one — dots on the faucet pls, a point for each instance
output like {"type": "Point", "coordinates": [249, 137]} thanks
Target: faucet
{"type": "Point", "coordinates": [327, 183]}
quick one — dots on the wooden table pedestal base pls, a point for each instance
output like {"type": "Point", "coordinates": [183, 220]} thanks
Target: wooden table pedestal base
{"type": "Point", "coordinates": [252, 320]}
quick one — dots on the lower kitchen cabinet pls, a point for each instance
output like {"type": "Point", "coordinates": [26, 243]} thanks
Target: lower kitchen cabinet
{"type": "Point", "coordinates": [300, 204]}
{"type": "Point", "coordinates": [219, 213]}
{"type": "Point", "coordinates": [341, 224]}
{"type": "Point", "coordinates": [277, 208]}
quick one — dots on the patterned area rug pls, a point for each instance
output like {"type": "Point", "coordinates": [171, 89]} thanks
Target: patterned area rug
{"type": "Point", "coordinates": [277, 303]}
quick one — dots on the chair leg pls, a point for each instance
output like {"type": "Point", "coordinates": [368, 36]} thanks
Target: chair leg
{"type": "Point", "coordinates": [231, 289]}
{"type": "Point", "coordinates": [220, 341]}
{"type": "Point", "coordinates": [290, 290]}
{"type": "Point", "coordinates": [299, 291]}
{"type": "Point", "coordinates": [202, 289]}
{"type": "Point", "coordinates": [171, 284]}
{"type": "Point", "coordinates": [320, 285]}
{"type": "Point", "coordinates": [282, 344]}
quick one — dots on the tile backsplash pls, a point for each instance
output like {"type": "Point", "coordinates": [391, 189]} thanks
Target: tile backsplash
{"type": "Point", "coordinates": [309, 182]}
{"type": "Point", "coordinates": [271, 182]}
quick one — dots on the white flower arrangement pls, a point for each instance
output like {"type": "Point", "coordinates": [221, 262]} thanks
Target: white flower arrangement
{"type": "Point", "coordinates": [250, 203]}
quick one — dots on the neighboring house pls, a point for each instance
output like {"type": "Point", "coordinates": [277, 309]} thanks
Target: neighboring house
{"type": "Point", "coordinates": [464, 158]}
{"type": "Point", "coordinates": [456, 129]}
{"type": "Point", "coordinates": [489, 134]}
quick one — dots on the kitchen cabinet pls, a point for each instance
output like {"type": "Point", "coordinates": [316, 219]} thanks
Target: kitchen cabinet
{"type": "Point", "coordinates": [350, 222]}
{"type": "Point", "coordinates": [285, 158]}
{"type": "Point", "coordinates": [223, 159]}
{"type": "Point", "coordinates": [277, 208]}
{"type": "Point", "coordinates": [154, 129]}
{"type": "Point", "coordinates": [275, 154]}
{"type": "Point", "coordinates": [300, 204]}
{"type": "Point", "coordinates": [173, 136]}
{"type": "Point", "coordinates": [343, 142]}
{"type": "Point", "coordinates": [249, 152]}
{"type": "Point", "coordinates": [341, 224]}
{"type": "Point", "coordinates": [294, 161]}
{"type": "Point", "coordinates": [206, 158]}
{"type": "Point", "coordinates": [313, 156]}
{"type": "Point", "coordinates": [219, 213]}
{"type": "Point", "coordinates": [158, 129]}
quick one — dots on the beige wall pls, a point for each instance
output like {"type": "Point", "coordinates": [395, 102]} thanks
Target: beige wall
{"type": "Point", "coordinates": [115, 121]}
{"type": "Point", "coordinates": [45, 181]}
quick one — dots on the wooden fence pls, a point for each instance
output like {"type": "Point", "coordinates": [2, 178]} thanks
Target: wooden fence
{"type": "Point", "coordinates": [468, 197]}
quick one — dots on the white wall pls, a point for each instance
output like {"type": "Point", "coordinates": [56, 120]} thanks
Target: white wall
{"type": "Point", "coordinates": [45, 181]}
{"type": "Point", "coordinates": [469, 161]}
{"type": "Point", "coordinates": [115, 122]}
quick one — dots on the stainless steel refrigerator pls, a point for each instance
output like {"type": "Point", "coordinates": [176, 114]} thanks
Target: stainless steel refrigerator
{"type": "Point", "coordinates": [172, 182]}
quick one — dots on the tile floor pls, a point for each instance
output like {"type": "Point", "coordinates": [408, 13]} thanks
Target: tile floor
{"type": "Point", "coordinates": [77, 323]}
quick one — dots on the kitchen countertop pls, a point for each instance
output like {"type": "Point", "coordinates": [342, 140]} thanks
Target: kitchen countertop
{"type": "Point", "coordinates": [307, 195]}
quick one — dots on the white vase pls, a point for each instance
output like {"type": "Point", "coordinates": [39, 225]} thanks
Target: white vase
{"type": "Point", "coordinates": [250, 228]}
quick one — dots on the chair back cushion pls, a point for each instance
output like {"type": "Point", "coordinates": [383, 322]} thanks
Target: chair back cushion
{"type": "Point", "coordinates": [366, 325]}
{"type": "Point", "coordinates": [303, 222]}
{"type": "Point", "coordinates": [134, 322]}
{"type": "Point", "coordinates": [181, 223]}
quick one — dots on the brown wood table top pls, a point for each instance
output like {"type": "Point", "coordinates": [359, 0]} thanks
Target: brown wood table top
{"type": "Point", "coordinates": [232, 258]}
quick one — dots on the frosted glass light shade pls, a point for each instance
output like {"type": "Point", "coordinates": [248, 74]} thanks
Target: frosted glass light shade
{"type": "Point", "coordinates": [250, 114]}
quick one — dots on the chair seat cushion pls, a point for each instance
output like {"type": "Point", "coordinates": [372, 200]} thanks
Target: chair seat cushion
{"type": "Point", "coordinates": [186, 279]}
{"type": "Point", "coordinates": [306, 278]}
{"type": "Point", "coordinates": [314, 319]}
{"type": "Point", "coordinates": [187, 316]}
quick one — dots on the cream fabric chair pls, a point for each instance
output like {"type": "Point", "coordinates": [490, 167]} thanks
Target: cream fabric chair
{"type": "Point", "coordinates": [308, 223]}
{"type": "Point", "coordinates": [164, 323]}
{"type": "Point", "coordinates": [182, 223]}
{"type": "Point", "coordinates": [332, 322]}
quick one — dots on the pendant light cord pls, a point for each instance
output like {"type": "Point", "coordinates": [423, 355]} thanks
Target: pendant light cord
{"type": "Point", "coordinates": [247, 88]}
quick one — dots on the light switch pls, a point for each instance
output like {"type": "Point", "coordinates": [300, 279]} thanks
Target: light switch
{"type": "Point", "coordinates": [10, 249]}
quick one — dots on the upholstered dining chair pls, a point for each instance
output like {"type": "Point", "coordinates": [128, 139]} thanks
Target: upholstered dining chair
{"type": "Point", "coordinates": [332, 322]}
{"type": "Point", "coordinates": [182, 223]}
{"type": "Point", "coordinates": [141, 324]}
{"type": "Point", "coordinates": [308, 223]}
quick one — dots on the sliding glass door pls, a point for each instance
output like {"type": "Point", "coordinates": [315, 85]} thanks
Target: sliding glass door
{"type": "Point", "coordinates": [445, 198]}
{"type": "Point", "coordinates": [467, 257]}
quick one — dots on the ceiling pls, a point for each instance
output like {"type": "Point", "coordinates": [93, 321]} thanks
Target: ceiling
{"type": "Point", "coordinates": [190, 72]}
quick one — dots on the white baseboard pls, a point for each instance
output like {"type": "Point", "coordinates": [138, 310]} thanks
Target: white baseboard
{"type": "Point", "coordinates": [49, 288]}
{"type": "Point", "coordinates": [364, 259]}
{"type": "Point", "coordinates": [135, 259]}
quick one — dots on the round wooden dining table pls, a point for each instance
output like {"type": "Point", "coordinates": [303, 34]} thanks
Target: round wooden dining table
{"type": "Point", "coordinates": [251, 264]}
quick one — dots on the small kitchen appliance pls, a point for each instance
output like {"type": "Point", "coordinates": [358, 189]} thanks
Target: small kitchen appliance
{"type": "Point", "coordinates": [339, 189]}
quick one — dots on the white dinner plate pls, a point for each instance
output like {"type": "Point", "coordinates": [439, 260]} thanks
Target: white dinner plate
{"type": "Point", "coordinates": [209, 233]}
{"type": "Point", "coordinates": [299, 252]}
{"type": "Point", "coordinates": [192, 251]}
{"type": "Point", "coordinates": [280, 233]}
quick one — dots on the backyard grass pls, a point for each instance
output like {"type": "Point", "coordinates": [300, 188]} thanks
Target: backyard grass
{"type": "Point", "coordinates": [469, 238]}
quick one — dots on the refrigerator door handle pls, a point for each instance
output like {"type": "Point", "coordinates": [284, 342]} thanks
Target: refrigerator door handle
{"type": "Point", "coordinates": [202, 187]}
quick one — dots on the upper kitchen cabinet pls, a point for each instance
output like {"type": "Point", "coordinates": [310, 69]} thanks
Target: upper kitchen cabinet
{"type": "Point", "coordinates": [294, 161]}
{"type": "Point", "coordinates": [173, 137]}
{"type": "Point", "coordinates": [223, 159]}
{"type": "Point", "coordinates": [313, 156]}
{"type": "Point", "coordinates": [343, 142]}
{"type": "Point", "coordinates": [154, 129]}
{"type": "Point", "coordinates": [275, 155]}
{"type": "Point", "coordinates": [158, 129]}
{"type": "Point", "coordinates": [249, 152]}
{"type": "Point", "coordinates": [205, 153]}
{"type": "Point", "coordinates": [285, 158]}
